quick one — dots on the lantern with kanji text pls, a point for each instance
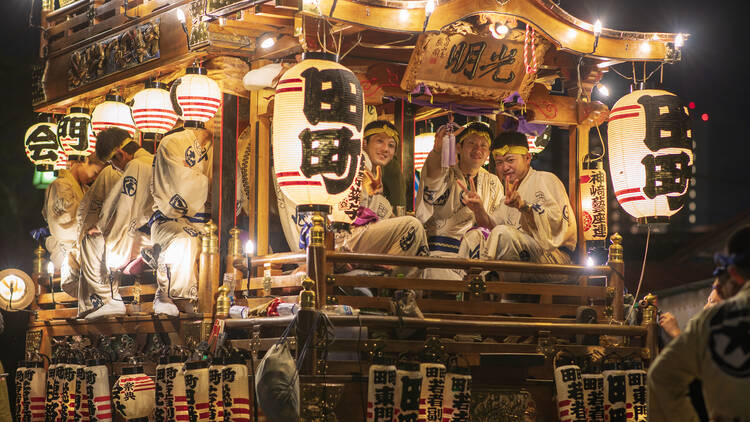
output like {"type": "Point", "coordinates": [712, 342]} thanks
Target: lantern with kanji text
{"type": "Point", "coordinates": [195, 97]}
{"type": "Point", "coordinates": [113, 112]}
{"type": "Point", "coordinates": [41, 144]}
{"type": "Point", "coordinates": [317, 131]}
{"type": "Point", "coordinates": [650, 154]}
{"type": "Point", "coordinates": [75, 133]}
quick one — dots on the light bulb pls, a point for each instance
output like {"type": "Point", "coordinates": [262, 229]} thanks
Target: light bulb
{"type": "Point", "coordinates": [645, 47]}
{"type": "Point", "coordinates": [590, 262]}
{"type": "Point", "coordinates": [679, 41]}
{"type": "Point", "coordinates": [222, 21]}
{"type": "Point", "coordinates": [267, 41]}
{"type": "Point", "coordinates": [403, 15]}
{"type": "Point", "coordinates": [249, 247]}
{"type": "Point", "coordinates": [181, 16]}
{"type": "Point", "coordinates": [597, 27]}
{"type": "Point", "coordinates": [499, 30]}
{"type": "Point", "coordinates": [429, 7]}
{"type": "Point", "coordinates": [51, 268]}
{"type": "Point", "coordinates": [603, 90]}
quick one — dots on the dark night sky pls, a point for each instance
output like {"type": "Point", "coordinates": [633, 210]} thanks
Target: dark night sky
{"type": "Point", "coordinates": [710, 74]}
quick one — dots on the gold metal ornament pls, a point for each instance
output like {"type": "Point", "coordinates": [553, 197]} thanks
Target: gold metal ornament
{"type": "Point", "coordinates": [222, 302]}
{"type": "Point", "coordinates": [318, 230]}
{"type": "Point", "coordinates": [615, 249]}
{"type": "Point", "coordinates": [307, 298]}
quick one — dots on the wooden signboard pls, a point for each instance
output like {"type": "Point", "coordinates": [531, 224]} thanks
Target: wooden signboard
{"type": "Point", "coordinates": [471, 65]}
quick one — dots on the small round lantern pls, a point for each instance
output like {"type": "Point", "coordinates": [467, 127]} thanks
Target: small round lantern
{"type": "Point", "coordinates": [195, 97]}
{"type": "Point", "coordinates": [134, 394]}
{"type": "Point", "coordinates": [317, 131]}
{"type": "Point", "coordinates": [152, 110]}
{"type": "Point", "coordinates": [650, 154]}
{"type": "Point", "coordinates": [42, 146]}
{"type": "Point", "coordinates": [113, 112]}
{"type": "Point", "coordinates": [75, 133]}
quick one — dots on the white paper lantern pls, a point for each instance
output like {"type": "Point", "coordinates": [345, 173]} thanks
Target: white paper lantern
{"type": "Point", "coordinates": [317, 131]}
{"type": "Point", "coordinates": [97, 391]}
{"type": "Point", "coordinates": [75, 133]}
{"type": "Point", "coordinates": [423, 144]}
{"type": "Point", "coordinates": [195, 96]}
{"type": "Point", "coordinates": [196, 391]}
{"type": "Point", "coordinates": [134, 393]}
{"type": "Point", "coordinates": [41, 145]}
{"type": "Point", "coordinates": [31, 379]}
{"type": "Point", "coordinates": [113, 112]}
{"type": "Point", "coordinates": [650, 154]}
{"type": "Point", "coordinates": [152, 110]}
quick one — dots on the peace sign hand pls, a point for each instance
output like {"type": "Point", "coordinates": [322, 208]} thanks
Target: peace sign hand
{"type": "Point", "coordinates": [470, 197]}
{"type": "Point", "coordinates": [373, 184]}
{"type": "Point", "coordinates": [512, 197]}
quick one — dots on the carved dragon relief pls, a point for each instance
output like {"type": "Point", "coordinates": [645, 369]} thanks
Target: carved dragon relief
{"type": "Point", "coordinates": [122, 51]}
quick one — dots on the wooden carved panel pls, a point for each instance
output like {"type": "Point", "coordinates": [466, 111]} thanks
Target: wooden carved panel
{"type": "Point", "coordinates": [471, 65]}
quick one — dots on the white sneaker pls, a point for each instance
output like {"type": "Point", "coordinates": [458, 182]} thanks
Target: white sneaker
{"type": "Point", "coordinates": [164, 305]}
{"type": "Point", "coordinates": [113, 308]}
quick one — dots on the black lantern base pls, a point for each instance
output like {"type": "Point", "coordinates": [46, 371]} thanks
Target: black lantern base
{"type": "Point", "coordinates": [319, 55]}
{"type": "Point", "coordinates": [326, 209]}
{"type": "Point", "coordinates": [654, 220]}
{"type": "Point", "coordinates": [194, 124]}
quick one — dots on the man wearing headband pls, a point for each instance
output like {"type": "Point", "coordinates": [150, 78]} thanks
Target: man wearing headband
{"type": "Point", "coordinates": [124, 211]}
{"type": "Point", "coordinates": [535, 222]}
{"type": "Point", "coordinates": [453, 200]}
{"type": "Point", "coordinates": [376, 229]}
{"type": "Point", "coordinates": [715, 348]}
{"type": "Point", "coordinates": [181, 180]}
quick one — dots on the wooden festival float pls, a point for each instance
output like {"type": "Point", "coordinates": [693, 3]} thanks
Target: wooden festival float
{"type": "Point", "coordinates": [416, 61]}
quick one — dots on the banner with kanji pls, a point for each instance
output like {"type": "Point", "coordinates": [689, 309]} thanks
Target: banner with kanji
{"type": "Point", "coordinates": [381, 389]}
{"type": "Point", "coordinates": [569, 387]}
{"type": "Point", "coordinates": [457, 398]}
{"type": "Point", "coordinates": [594, 204]}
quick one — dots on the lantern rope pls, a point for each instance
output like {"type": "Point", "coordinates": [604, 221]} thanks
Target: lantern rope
{"type": "Point", "coordinates": [643, 270]}
{"type": "Point", "coordinates": [529, 41]}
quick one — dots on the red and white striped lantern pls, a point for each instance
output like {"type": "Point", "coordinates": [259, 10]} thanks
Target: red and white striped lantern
{"type": "Point", "coordinates": [172, 389]}
{"type": "Point", "coordinates": [196, 390]}
{"type": "Point", "coordinates": [113, 112]}
{"type": "Point", "coordinates": [235, 392]}
{"type": "Point", "coordinates": [423, 144]}
{"type": "Point", "coordinates": [195, 96]}
{"type": "Point", "coordinates": [81, 402]}
{"type": "Point", "coordinates": [216, 390]}
{"type": "Point", "coordinates": [650, 154]}
{"type": "Point", "coordinates": [431, 392]}
{"type": "Point", "coordinates": [52, 402]}
{"type": "Point", "coordinates": [31, 380]}
{"type": "Point", "coordinates": [593, 396]}
{"type": "Point", "coordinates": [134, 393]}
{"type": "Point", "coordinates": [381, 379]}
{"type": "Point", "coordinates": [41, 145]}
{"type": "Point", "coordinates": [317, 131]}
{"type": "Point", "coordinates": [97, 392]}
{"type": "Point", "coordinates": [75, 134]}
{"type": "Point", "coordinates": [457, 396]}
{"type": "Point", "coordinates": [406, 394]}
{"type": "Point", "coordinates": [569, 387]}
{"type": "Point", "coordinates": [615, 394]}
{"type": "Point", "coordinates": [152, 110]}
{"type": "Point", "coordinates": [636, 403]}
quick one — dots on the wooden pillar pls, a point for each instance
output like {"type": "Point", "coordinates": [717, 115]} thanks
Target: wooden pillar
{"type": "Point", "coordinates": [263, 181]}
{"type": "Point", "coordinates": [577, 151]}
{"type": "Point", "coordinates": [404, 120]}
{"type": "Point", "coordinates": [208, 270]}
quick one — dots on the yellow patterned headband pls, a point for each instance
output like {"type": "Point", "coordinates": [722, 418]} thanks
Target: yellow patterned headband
{"type": "Point", "coordinates": [479, 133]}
{"type": "Point", "coordinates": [382, 129]}
{"type": "Point", "coordinates": [112, 153]}
{"type": "Point", "coordinates": [499, 152]}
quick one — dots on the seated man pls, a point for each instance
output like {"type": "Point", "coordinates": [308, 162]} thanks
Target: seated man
{"type": "Point", "coordinates": [124, 212]}
{"type": "Point", "coordinates": [182, 166]}
{"type": "Point", "coordinates": [376, 230]}
{"type": "Point", "coordinates": [453, 200]}
{"type": "Point", "coordinates": [61, 201]}
{"type": "Point", "coordinates": [535, 223]}
{"type": "Point", "coordinates": [91, 253]}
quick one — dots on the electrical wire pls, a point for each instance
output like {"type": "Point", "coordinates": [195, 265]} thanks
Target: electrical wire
{"type": "Point", "coordinates": [604, 147]}
{"type": "Point", "coordinates": [643, 270]}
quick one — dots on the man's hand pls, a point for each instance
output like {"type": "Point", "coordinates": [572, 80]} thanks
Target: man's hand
{"type": "Point", "coordinates": [373, 184]}
{"type": "Point", "coordinates": [512, 197]}
{"type": "Point", "coordinates": [92, 231]}
{"type": "Point", "coordinates": [668, 322]}
{"type": "Point", "coordinates": [470, 197]}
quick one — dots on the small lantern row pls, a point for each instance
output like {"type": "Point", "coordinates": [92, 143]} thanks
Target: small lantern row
{"type": "Point", "coordinates": [195, 98]}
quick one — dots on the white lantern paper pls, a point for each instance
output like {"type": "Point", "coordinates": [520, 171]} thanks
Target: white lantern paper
{"type": "Point", "coordinates": [196, 390]}
{"type": "Point", "coordinates": [317, 131]}
{"type": "Point", "coordinates": [594, 203]}
{"type": "Point", "coordinates": [52, 402]}
{"type": "Point", "coordinates": [97, 392]}
{"type": "Point", "coordinates": [431, 392]}
{"type": "Point", "coordinates": [614, 394]}
{"type": "Point", "coordinates": [569, 387]}
{"type": "Point", "coordinates": [133, 394]}
{"type": "Point", "coordinates": [381, 386]}
{"type": "Point", "coordinates": [42, 147]}
{"type": "Point", "coordinates": [650, 154]}
{"type": "Point", "coordinates": [175, 402]}
{"type": "Point", "coordinates": [457, 397]}
{"type": "Point", "coordinates": [113, 112]}
{"type": "Point", "coordinates": [75, 133]}
{"type": "Point", "coordinates": [31, 380]}
{"type": "Point", "coordinates": [636, 403]}
{"type": "Point", "coordinates": [195, 96]}
{"type": "Point", "coordinates": [593, 397]}
{"type": "Point", "coordinates": [408, 385]}
{"type": "Point", "coordinates": [215, 390]}
{"type": "Point", "coordinates": [235, 392]}
{"type": "Point", "coordinates": [152, 110]}
{"type": "Point", "coordinates": [81, 403]}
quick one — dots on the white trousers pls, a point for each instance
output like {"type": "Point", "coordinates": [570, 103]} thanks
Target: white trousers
{"type": "Point", "coordinates": [180, 245]}
{"type": "Point", "coordinates": [507, 243]}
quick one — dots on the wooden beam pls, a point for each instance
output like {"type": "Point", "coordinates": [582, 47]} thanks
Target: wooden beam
{"type": "Point", "coordinates": [263, 174]}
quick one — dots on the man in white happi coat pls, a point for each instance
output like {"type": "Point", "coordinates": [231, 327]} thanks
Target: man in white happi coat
{"type": "Point", "coordinates": [123, 217]}
{"type": "Point", "coordinates": [181, 180]}
{"type": "Point", "coordinates": [376, 229]}
{"type": "Point", "coordinates": [535, 222]}
{"type": "Point", "coordinates": [453, 200]}
{"type": "Point", "coordinates": [92, 271]}
{"type": "Point", "coordinates": [61, 201]}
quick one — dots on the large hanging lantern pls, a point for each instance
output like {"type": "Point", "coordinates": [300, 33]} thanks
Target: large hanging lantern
{"type": "Point", "coordinates": [42, 146]}
{"type": "Point", "coordinates": [650, 154]}
{"type": "Point", "coordinates": [195, 97]}
{"type": "Point", "coordinates": [317, 131]}
{"type": "Point", "coordinates": [75, 133]}
{"type": "Point", "coordinates": [113, 112]}
{"type": "Point", "coordinates": [134, 393]}
{"type": "Point", "coordinates": [152, 110]}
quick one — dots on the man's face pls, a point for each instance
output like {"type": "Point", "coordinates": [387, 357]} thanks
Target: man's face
{"type": "Point", "coordinates": [120, 160]}
{"type": "Point", "coordinates": [380, 147]}
{"type": "Point", "coordinates": [512, 165]}
{"type": "Point", "coordinates": [473, 151]}
{"type": "Point", "coordinates": [89, 172]}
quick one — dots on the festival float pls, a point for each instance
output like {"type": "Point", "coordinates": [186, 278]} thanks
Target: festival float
{"type": "Point", "coordinates": [278, 331]}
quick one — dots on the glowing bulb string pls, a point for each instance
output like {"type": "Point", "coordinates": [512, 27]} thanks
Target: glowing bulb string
{"type": "Point", "coordinates": [529, 41]}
